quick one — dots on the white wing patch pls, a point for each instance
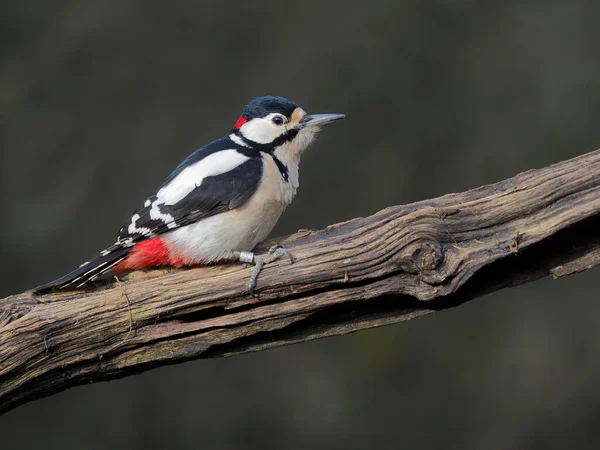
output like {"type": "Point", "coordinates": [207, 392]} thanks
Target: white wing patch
{"type": "Point", "coordinates": [191, 177]}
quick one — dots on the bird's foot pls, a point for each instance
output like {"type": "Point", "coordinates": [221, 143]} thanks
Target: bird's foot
{"type": "Point", "coordinates": [276, 252]}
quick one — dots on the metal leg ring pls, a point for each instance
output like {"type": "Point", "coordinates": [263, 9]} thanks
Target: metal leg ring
{"type": "Point", "coordinates": [247, 257]}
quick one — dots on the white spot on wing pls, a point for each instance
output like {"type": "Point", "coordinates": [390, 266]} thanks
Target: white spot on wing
{"type": "Point", "coordinates": [133, 229]}
{"type": "Point", "coordinates": [156, 214]}
{"type": "Point", "coordinates": [147, 203]}
{"type": "Point", "coordinates": [127, 242]}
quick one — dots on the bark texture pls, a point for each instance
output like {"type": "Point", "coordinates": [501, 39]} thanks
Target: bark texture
{"type": "Point", "coordinates": [398, 264]}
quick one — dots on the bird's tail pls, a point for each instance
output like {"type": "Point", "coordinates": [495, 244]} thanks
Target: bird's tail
{"type": "Point", "coordinates": [88, 271]}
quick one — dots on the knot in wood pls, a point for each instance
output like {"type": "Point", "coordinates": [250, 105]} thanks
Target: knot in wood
{"type": "Point", "coordinates": [425, 256]}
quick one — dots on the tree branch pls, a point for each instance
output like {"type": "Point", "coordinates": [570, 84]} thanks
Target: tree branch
{"type": "Point", "coordinates": [401, 263]}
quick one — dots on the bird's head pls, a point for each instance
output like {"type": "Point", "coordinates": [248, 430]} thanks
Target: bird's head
{"type": "Point", "coordinates": [280, 123]}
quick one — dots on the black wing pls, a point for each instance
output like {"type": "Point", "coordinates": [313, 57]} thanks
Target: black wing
{"type": "Point", "coordinates": [216, 194]}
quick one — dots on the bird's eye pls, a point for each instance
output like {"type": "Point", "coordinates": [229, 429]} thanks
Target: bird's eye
{"type": "Point", "coordinates": [278, 120]}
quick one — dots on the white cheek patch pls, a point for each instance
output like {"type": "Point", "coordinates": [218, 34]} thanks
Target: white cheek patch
{"type": "Point", "coordinates": [262, 130]}
{"type": "Point", "coordinates": [191, 177]}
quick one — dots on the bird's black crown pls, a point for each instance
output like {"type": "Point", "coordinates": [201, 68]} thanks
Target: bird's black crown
{"type": "Point", "coordinates": [262, 106]}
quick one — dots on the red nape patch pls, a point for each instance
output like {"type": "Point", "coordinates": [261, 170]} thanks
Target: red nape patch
{"type": "Point", "coordinates": [148, 254]}
{"type": "Point", "coordinates": [241, 121]}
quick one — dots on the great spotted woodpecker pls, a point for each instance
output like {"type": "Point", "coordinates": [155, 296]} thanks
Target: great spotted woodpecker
{"type": "Point", "coordinates": [219, 203]}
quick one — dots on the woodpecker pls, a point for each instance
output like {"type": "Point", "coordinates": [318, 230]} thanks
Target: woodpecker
{"type": "Point", "coordinates": [219, 202]}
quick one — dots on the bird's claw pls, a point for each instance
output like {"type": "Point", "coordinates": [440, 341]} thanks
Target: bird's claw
{"type": "Point", "coordinates": [279, 250]}
{"type": "Point", "coordinates": [276, 252]}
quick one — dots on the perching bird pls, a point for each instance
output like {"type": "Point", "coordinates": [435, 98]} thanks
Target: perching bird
{"type": "Point", "coordinates": [219, 203]}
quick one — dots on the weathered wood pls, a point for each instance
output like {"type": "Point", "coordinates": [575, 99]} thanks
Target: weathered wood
{"type": "Point", "coordinates": [401, 263]}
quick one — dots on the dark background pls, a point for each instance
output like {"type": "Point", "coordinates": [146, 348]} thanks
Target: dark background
{"type": "Point", "coordinates": [100, 100]}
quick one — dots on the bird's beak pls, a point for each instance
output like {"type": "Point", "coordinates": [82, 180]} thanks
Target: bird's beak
{"type": "Point", "coordinates": [317, 120]}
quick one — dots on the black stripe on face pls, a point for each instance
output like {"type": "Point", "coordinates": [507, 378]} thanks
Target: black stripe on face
{"type": "Point", "coordinates": [288, 136]}
{"type": "Point", "coordinates": [270, 147]}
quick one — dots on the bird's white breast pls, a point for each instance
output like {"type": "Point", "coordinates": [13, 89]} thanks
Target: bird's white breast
{"type": "Point", "coordinates": [242, 228]}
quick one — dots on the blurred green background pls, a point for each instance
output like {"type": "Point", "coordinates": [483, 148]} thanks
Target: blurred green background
{"type": "Point", "coordinates": [99, 101]}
